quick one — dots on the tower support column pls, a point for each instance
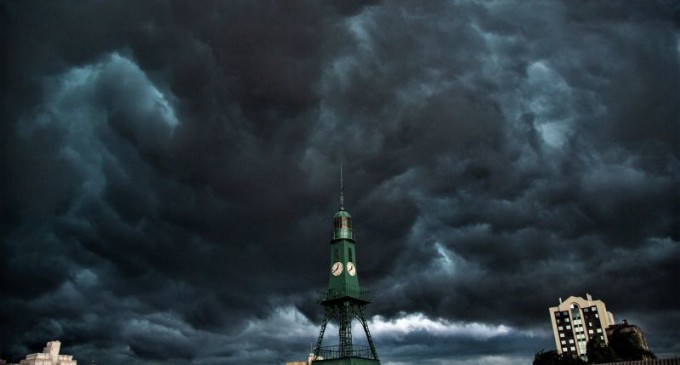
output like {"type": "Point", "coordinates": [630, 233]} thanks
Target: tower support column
{"type": "Point", "coordinates": [362, 319]}
{"type": "Point", "coordinates": [324, 323]}
{"type": "Point", "coordinates": [346, 330]}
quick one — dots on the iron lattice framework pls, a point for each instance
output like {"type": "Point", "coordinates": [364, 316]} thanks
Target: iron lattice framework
{"type": "Point", "coordinates": [342, 311]}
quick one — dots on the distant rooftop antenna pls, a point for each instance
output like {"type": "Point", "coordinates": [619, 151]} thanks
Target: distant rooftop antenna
{"type": "Point", "coordinates": [342, 190]}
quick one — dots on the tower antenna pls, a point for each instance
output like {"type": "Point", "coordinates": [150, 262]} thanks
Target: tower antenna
{"type": "Point", "coordinates": [342, 190]}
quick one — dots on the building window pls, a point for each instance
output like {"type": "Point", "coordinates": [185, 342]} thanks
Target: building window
{"type": "Point", "coordinates": [561, 334]}
{"type": "Point", "coordinates": [571, 340]}
{"type": "Point", "coordinates": [558, 320]}
{"type": "Point", "coordinates": [568, 327]}
{"type": "Point", "coordinates": [560, 328]}
{"type": "Point", "coordinates": [572, 348]}
{"type": "Point", "coordinates": [566, 320]}
{"type": "Point", "coordinates": [599, 330]}
{"type": "Point", "coordinates": [597, 315]}
{"type": "Point", "coordinates": [563, 342]}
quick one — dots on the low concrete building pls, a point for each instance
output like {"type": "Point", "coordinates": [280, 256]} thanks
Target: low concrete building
{"type": "Point", "coordinates": [49, 356]}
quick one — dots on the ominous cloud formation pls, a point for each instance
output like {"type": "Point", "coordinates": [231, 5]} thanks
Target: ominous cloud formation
{"type": "Point", "coordinates": [169, 172]}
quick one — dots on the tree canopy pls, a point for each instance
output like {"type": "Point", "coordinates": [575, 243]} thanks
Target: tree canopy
{"type": "Point", "coordinates": [553, 358]}
{"type": "Point", "coordinates": [624, 345]}
{"type": "Point", "coordinates": [598, 352]}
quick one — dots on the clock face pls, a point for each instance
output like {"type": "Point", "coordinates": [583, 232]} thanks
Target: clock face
{"type": "Point", "coordinates": [351, 269]}
{"type": "Point", "coordinates": [336, 269]}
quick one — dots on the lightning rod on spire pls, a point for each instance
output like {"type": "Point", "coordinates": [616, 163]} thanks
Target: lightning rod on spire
{"type": "Point", "coordinates": [342, 190]}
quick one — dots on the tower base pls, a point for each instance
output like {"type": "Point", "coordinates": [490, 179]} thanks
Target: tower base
{"type": "Point", "coordinates": [347, 361]}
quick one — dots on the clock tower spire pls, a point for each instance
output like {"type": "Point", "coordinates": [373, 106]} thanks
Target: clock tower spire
{"type": "Point", "coordinates": [344, 299]}
{"type": "Point", "coordinates": [342, 190]}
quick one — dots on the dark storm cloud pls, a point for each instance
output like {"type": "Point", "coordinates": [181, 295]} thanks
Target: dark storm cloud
{"type": "Point", "coordinates": [169, 173]}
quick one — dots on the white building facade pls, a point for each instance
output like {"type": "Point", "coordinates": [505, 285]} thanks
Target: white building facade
{"type": "Point", "coordinates": [577, 320]}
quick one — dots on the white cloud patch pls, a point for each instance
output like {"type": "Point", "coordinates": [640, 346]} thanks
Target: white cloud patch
{"type": "Point", "coordinates": [419, 323]}
{"type": "Point", "coordinates": [287, 324]}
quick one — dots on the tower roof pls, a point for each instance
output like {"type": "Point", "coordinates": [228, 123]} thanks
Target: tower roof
{"type": "Point", "coordinates": [342, 213]}
{"type": "Point", "coordinates": [342, 220]}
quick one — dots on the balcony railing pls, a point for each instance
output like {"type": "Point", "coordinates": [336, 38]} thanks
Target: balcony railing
{"type": "Point", "coordinates": [326, 295]}
{"type": "Point", "coordinates": [335, 352]}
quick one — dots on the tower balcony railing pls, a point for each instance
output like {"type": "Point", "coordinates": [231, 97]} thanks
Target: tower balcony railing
{"type": "Point", "coordinates": [337, 352]}
{"type": "Point", "coordinates": [336, 293]}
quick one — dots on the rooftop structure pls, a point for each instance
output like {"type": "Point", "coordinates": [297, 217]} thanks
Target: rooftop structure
{"type": "Point", "coordinates": [49, 356]}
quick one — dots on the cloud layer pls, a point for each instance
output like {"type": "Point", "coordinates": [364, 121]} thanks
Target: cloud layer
{"type": "Point", "coordinates": [169, 172]}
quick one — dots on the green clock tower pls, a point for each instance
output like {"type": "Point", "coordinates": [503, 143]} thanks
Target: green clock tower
{"type": "Point", "coordinates": [344, 300]}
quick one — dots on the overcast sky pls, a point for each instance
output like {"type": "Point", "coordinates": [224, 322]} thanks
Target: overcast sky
{"type": "Point", "coordinates": [170, 171]}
